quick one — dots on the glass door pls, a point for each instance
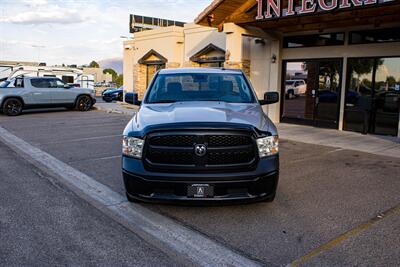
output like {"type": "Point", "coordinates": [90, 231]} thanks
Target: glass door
{"type": "Point", "coordinates": [327, 97]}
{"type": "Point", "coordinates": [152, 70]}
{"type": "Point", "coordinates": [312, 92]}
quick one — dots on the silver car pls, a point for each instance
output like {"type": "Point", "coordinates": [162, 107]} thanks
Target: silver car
{"type": "Point", "coordinates": [23, 93]}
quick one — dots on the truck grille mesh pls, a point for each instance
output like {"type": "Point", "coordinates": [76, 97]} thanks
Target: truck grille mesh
{"type": "Point", "coordinates": [176, 152]}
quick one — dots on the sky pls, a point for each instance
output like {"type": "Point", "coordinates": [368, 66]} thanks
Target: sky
{"type": "Point", "coordinates": [78, 31]}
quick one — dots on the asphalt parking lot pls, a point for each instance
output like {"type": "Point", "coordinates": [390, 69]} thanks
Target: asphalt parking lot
{"type": "Point", "coordinates": [334, 206]}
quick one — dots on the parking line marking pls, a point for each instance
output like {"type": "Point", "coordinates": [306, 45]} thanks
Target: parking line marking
{"type": "Point", "coordinates": [340, 239]}
{"type": "Point", "coordinates": [84, 139]}
{"type": "Point", "coordinates": [181, 243]}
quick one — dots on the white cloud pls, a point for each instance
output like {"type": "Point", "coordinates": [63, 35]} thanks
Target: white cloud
{"type": "Point", "coordinates": [54, 15]}
{"type": "Point", "coordinates": [35, 2]}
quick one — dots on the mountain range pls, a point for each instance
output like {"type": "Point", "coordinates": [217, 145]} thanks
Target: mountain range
{"type": "Point", "coordinates": [113, 63]}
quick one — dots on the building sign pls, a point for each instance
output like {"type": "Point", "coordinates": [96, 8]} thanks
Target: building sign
{"type": "Point", "coordinates": [270, 9]}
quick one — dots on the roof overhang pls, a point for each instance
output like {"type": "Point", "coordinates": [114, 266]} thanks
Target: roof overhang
{"type": "Point", "coordinates": [253, 13]}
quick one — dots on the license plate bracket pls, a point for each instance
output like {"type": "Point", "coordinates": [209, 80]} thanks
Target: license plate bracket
{"type": "Point", "coordinates": [200, 191]}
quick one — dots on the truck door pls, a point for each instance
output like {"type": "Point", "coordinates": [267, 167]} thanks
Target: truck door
{"type": "Point", "coordinates": [61, 94]}
{"type": "Point", "coordinates": [40, 91]}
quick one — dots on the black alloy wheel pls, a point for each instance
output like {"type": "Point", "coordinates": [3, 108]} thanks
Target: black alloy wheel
{"type": "Point", "coordinates": [12, 107]}
{"type": "Point", "coordinates": [84, 103]}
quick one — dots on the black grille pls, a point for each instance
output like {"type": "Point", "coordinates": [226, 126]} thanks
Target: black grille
{"type": "Point", "coordinates": [176, 152]}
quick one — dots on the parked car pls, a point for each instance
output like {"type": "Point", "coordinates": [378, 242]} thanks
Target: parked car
{"type": "Point", "coordinates": [200, 135]}
{"type": "Point", "coordinates": [113, 94]}
{"type": "Point", "coordinates": [23, 93]}
{"type": "Point", "coordinates": [295, 88]}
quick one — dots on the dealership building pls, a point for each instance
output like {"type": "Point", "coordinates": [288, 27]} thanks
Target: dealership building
{"type": "Point", "coordinates": [336, 63]}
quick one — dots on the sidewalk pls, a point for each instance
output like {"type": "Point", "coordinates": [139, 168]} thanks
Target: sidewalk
{"type": "Point", "coordinates": [116, 107]}
{"type": "Point", "coordinates": [374, 144]}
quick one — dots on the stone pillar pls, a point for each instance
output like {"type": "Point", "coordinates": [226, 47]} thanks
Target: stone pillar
{"type": "Point", "coordinates": [234, 46]}
{"type": "Point", "coordinates": [140, 79]}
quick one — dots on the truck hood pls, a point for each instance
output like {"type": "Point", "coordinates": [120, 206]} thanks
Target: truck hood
{"type": "Point", "coordinates": [202, 112]}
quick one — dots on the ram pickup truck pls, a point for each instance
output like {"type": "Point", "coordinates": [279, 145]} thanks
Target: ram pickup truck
{"type": "Point", "coordinates": [200, 135]}
{"type": "Point", "coordinates": [23, 93]}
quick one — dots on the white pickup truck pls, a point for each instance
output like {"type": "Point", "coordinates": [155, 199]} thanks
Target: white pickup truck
{"type": "Point", "coordinates": [294, 88]}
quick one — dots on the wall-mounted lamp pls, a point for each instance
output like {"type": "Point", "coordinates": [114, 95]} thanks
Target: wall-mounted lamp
{"type": "Point", "coordinates": [273, 59]}
{"type": "Point", "coordinates": [130, 47]}
{"type": "Point", "coordinates": [260, 41]}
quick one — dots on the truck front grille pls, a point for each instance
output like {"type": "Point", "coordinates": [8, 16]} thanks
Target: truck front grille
{"type": "Point", "coordinates": [176, 152]}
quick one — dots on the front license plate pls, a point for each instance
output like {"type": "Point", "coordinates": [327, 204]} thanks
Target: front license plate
{"type": "Point", "coordinates": [200, 191]}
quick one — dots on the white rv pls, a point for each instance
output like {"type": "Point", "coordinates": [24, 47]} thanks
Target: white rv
{"type": "Point", "coordinates": [73, 76]}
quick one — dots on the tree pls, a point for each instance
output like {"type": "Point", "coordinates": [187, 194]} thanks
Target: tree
{"type": "Point", "coordinates": [112, 72]}
{"type": "Point", "coordinates": [120, 80]}
{"type": "Point", "coordinates": [391, 80]}
{"type": "Point", "coordinates": [94, 64]}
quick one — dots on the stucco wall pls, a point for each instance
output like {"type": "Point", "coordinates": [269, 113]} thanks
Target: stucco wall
{"type": "Point", "coordinates": [197, 37]}
{"type": "Point", "coordinates": [168, 42]}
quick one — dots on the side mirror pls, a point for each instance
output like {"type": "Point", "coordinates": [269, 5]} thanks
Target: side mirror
{"type": "Point", "coordinates": [270, 98]}
{"type": "Point", "coordinates": [133, 99]}
{"type": "Point", "coordinates": [67, 86]}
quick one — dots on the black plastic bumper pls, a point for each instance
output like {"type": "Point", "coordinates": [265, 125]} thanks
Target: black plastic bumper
{"type": "Point", "coordinates": [257, 185]}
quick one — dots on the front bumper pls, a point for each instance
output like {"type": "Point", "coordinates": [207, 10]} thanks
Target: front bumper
{"type": "Point", "coordinates": [259, 184]}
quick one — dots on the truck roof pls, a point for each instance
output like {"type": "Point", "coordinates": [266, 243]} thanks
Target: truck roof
{"type": "Point", "coordinates": [201, 70]}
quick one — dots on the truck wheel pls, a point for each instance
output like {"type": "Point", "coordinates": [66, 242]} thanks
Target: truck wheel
{"type": "Point", "coordinates": [84, 103]}
{"type": "Point", "coordinates": [12, 107]}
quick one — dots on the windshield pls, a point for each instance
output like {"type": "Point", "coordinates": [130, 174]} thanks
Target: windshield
{"type": "Point", "coordinates": [4, 84]}
{"type": "Point", "coordinates": [231, 88]}
{"type": "Point", "coordinates": [289, 82]}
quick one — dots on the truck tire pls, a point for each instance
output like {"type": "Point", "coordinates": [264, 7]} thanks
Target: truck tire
{"type": "Point", "coordinates": [84, 103]}
{"type": "Point", "coordinates": [12, 107]}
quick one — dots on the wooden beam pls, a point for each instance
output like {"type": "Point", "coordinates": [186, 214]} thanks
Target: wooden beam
{"type": "Point", "coordinates": [241, 12]}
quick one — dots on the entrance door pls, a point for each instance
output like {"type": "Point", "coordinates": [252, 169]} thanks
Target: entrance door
{"type": "Point", "coordinates": [373, 96]}
{"type": "Point", "coordinates": [151, 71]}
{"type": "Point", "coordinates": [312, 92]}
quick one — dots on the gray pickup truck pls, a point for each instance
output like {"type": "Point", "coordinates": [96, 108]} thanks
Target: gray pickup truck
{"type": "Point", "coordinates": [200, 135]}
{"type": "Point", "coordinates": [23, 93]}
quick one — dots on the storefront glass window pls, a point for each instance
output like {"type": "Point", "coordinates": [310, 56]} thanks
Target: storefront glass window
{"type": "Point", "coordinates": [372, 98]}
{"type": "Point", "coordinates": [326, 39]}
{"type": "Point", "coordinates": [375, 36]}
{"type": "Point", "coordinates": [387, 95]}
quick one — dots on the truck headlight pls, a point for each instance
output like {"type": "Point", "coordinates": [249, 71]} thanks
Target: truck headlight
{"type": "Point", "coordinates": [132, 147]}
{"type": "Point", "coordinates": [268, 146]}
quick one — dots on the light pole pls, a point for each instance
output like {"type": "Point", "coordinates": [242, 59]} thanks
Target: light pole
{"type": "Point", "coordinates": [38, 48]}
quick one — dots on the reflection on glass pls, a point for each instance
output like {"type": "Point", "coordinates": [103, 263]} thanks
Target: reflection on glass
{"type": "Point", "coordinates": [328, 91]}
{"type": "Point", "coordinates": [372, 100]}
{"type": "Point", "coordinates": [359, 93]}
{"type": "Point", "coordinates": [386, 99]}
{"type": "Point", "coordinates": [312, 92]}
{"type": "Point", "coordinates": [296, 88]}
